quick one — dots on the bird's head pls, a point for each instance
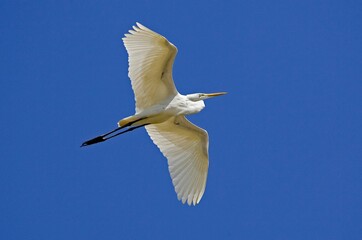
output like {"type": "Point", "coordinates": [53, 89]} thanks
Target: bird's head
{"type": "Point", "coordinates": [202, 96]}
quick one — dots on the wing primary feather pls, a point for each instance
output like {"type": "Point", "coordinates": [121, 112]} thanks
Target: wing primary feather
{"type": "Point", "coordinates": [186, 148]}
{"type": "Point", "coordinates": [150, 55]}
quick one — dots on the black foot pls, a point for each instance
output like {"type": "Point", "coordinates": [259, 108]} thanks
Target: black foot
{"type": "Point", "coordinates": [93, 141]}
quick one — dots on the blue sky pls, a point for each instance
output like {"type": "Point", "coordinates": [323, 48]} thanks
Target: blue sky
{"type": "Point", "coordinates": [285, 143]}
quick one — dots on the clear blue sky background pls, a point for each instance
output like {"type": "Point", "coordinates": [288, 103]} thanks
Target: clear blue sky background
{"type": "Point", "coordinates": [285, 143]}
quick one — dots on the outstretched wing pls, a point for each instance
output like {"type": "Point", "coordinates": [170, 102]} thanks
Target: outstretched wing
{"type": "Point", "coordinates": [186, 148]}
{"type": "Point", "coordinates": [150, 60]}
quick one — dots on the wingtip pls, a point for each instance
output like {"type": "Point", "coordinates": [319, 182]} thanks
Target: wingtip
{"type": "Point", "coordinates": [138, 24]}
{"type": "Point", "coordinates": [193, 201]}
{"type": "Point", "coordinates": [143, 27]}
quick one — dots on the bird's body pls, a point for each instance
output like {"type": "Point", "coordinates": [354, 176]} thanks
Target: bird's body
{"type": "Point", "coordinates": [178, 105]}
{"type": "Point", "coordinates": [162, 110]}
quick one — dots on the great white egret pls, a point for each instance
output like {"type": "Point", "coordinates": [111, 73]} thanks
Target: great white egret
{"type": "Point", "coordinates": [162, 109]}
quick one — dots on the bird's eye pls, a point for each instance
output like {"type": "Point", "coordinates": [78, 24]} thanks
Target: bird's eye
{"type": "Point", "coordinates": [200, 95]}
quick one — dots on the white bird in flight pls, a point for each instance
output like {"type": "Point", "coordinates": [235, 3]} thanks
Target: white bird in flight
{"type": "Point", "coordinates": [162, 109]}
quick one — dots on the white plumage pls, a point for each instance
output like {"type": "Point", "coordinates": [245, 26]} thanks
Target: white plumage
{"type": "Point", "coordinates": [186, 147]}
{"type": "Point", "coordinates": [162, 109]}
{"type": "Point", "coordinates": [150, 60]}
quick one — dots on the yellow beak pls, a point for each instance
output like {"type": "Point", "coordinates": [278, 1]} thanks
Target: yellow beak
{"type": "Point", "coordinates": [215, 94]}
